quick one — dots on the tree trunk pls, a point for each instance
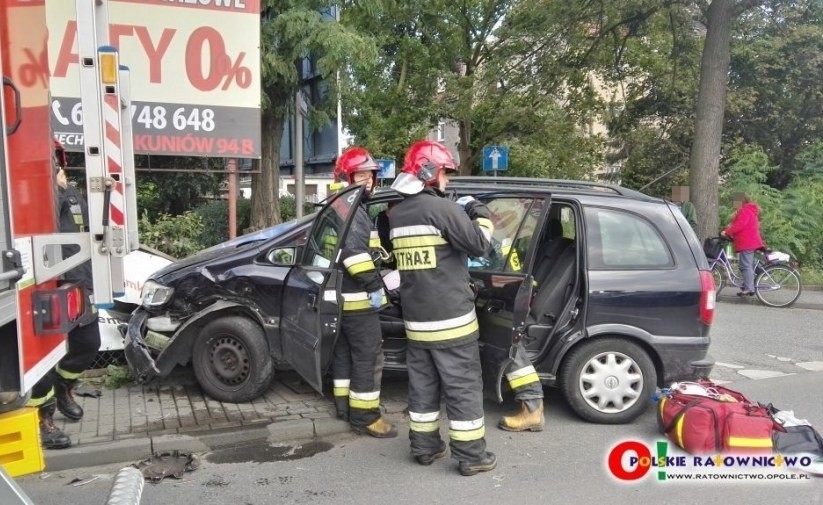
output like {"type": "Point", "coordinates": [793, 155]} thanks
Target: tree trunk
{"type": "Point", "coordinates": [464, 146]}
{"type": "Point", "coordinates": [704, 161]}
{"type": "Point", "coordinates": [265, 191]}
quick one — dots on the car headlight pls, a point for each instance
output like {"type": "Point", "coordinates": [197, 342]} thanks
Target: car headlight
{"type": "Point", "coordinates": [155, 294]}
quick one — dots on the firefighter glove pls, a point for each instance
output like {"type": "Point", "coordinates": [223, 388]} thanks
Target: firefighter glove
{"type": "Point", "coordinates": [476, 209]}
{"type": "Point", "coordinates": [463, 200]}
{"type": "Point", "coordinates": [376, 299]}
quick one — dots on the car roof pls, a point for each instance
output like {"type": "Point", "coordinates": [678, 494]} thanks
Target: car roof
{"type": "Point", "coordinates": [549, 185]}
{"type": "Point", "coordinates": [532, 185]}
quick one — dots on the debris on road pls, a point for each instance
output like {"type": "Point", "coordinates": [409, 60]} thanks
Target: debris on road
{"type": "Point", "coordinates": [167, 464]}
{"type": "Point", "coordinates": [77, 481]}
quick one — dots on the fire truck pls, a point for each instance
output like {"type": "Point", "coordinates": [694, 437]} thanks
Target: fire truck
{"type": "Point", "coordinates": [36, 308]}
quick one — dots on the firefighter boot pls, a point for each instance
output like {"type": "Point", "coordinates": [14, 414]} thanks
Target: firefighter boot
{"type": "Point", "coordinates": [530, 417]}
{"type": "Point", "coordinates": [51, 437]}
{"type": "Point", "coordinates": [341, 404]}
{"type": "Point", "coordinates": [65, 399]}
{"type": "Point", "coordinates": [379, 429]}
{"type": "Point", "coordinates": [428, 459]}
{"type": "Point", "coordinates": [487, 463]}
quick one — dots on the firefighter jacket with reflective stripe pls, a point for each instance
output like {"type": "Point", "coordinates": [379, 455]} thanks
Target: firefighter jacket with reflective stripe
{"type": "Point", "coordinates": [432, 238]}
{"type": "Point", "coordinates": [73, 217]}
{"type": "Point", "coordinates": [362, 274]}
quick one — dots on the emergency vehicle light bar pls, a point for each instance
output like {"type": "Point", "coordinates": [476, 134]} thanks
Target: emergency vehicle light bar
{"type": "Point", "coordinates": [108, 66]}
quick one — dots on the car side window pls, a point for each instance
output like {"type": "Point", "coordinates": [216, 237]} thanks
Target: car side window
{"type": "Point", "coordinates": [326, 235]}
{"type": "Point", "coordinates": [620, 240]}
{"type": "Point", "coordinates": [515, 221]}
{"type": "Point", "coordinates": [568, 223]}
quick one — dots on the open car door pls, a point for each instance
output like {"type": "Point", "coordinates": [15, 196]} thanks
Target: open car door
{"type": "Point", "coordinates": [311, 305]}
{"type": "Point", "coordinates": [504, 281]}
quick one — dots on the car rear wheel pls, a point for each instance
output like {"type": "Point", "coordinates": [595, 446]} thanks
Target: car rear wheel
{"type": "Point", "coordinates": [608, 380]}
{"type": "Point", "coordinates": [231, 360]}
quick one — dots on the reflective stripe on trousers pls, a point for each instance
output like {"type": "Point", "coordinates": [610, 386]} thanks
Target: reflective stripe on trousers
{"type": "Point", "coordinates": [358, 363]}
{"type": "Point", "coordinates": [522, 377]}
{"type": "Point", "coordinates": [456, 372]}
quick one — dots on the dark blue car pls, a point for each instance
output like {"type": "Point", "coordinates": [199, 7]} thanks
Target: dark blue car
{"type": "Point", "coordinates": [608, 288]}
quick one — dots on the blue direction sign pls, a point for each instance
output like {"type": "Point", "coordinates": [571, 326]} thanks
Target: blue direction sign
{"type": "Point", "coordinates": [495, 159]}
{"type": "Point", "coordinates": [386, 169]}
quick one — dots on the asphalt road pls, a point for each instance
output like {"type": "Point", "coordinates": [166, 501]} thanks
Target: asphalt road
{"type": "Point", "coordinates": [566, 463]}
{"type": "Point", "coordinates": [753, 341]}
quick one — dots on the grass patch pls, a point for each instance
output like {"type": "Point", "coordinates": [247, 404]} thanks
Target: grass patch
{"type": "Point", "coordinates": [812, 278]}
{"type": "Point", "coordinates": [117, 376]}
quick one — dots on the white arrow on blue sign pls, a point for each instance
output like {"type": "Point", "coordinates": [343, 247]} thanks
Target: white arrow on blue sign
{"type": "Point", "coordinates": [386, 169]}
{"type": "Point", "coordinates": [495, 158]}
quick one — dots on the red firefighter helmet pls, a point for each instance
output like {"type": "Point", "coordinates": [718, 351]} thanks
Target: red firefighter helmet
{"type": "Point", "coordinates": [422, 166]}
{"type": "Point", "coordinates": [355, 159]}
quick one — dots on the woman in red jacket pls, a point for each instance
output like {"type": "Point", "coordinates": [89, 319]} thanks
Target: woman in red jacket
{"type": "Point", "coordinates": [744, 231]}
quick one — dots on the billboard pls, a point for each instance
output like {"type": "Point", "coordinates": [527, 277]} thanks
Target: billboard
{"type": "Point", "coordinates": [195, 74]}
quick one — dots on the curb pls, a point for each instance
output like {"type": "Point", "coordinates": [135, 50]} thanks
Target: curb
{"type": "Point", "coordinates": [800, 304]}
{"type": "Point", "coordinates": [133, 450]}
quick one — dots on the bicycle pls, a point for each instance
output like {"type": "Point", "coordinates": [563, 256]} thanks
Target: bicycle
{"type": "Point", "coordinates": [777, 283]}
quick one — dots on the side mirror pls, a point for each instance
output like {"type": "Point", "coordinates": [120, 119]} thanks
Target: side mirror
{"type": "Point", "coordinates": [284, 256]}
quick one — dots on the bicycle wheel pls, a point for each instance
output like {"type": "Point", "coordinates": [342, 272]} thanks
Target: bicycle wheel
{"type": "Point", "coordinates": [778, 286]}
{"type": "Point", "coordinates": [719, 277]}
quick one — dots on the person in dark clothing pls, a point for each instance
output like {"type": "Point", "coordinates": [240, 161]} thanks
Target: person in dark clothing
{"type": "Point", "coordinates": [432, 238]}
{"type": "Point", "coordinates": [54, 390]}
{"type": "Point", "coordinates": [357, 361]}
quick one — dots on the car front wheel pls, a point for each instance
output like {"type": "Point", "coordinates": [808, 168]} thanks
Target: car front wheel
{"type": "Point", "coordinates": [231, 360]}
{"type": "Point", "coordinates": [608, 380]}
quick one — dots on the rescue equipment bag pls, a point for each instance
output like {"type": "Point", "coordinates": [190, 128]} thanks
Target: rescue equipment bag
{"type": "Point", "coordinates": [706, 418]}
{"type": "Point", "coordinates": [792, 435]}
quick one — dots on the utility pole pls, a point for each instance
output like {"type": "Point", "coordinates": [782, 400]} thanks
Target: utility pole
{"type": "Point", "coordinates": [298, 154]}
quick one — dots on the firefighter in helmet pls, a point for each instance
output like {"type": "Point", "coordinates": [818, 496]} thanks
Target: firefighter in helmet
{"type": "Point", "coordinates": [432, 238]}
{"type": "Point", "coordinates": [357, 362]}
{"type": "Point", "coordinates": [54, 390]}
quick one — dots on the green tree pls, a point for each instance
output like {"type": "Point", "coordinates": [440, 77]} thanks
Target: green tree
{"type": "Point", "coordinates": [652, 77]}
{"type": "Point", "coordinates": [388, 101]}
{"type": "Point", "coordinates": [174, 193]}
{"type": "Point", "coordinates": [544, 142]}
{"type": "Point", "coordinates": [704, 161]}
{"type": "Point", "coordinates": [292, 31]}
{"type": "Point", "coordinates": [775, 97]}
{"type": "Point", "coordinates": [791, 220]}
{"type": "Point", "coordinates": [497, 69]}
{"type": "Point", "coordinates": [177, 236]}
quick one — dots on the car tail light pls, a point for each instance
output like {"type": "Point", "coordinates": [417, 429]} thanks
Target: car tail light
{"type": "Point", "coordinates": [707, 297]}
{"type": "Point", "coordinates": [58, 310]}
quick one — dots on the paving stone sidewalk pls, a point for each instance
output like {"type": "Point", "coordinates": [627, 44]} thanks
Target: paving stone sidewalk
{"type": "Point", "coordinates": [178, 406]}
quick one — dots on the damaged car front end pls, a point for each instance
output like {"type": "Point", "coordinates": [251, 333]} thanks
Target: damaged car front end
{"type": "Point", "coordinates": [218, 310]}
